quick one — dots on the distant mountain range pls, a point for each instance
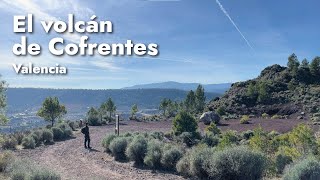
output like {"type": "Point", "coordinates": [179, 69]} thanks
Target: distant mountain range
{"type": "Point", "coordinates": [77, 101]}
{"type": "Point", "coordinates": [215, 88]}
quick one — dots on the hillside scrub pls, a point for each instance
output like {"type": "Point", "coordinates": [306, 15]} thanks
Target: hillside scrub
{"type": "Point", "coordinates": [250, 155]}
{"type": "Point", "coordinates": [277, 90]}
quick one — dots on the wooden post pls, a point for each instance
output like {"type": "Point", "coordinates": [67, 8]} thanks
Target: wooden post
{"type": "Point", "coordinates": [117, 130]}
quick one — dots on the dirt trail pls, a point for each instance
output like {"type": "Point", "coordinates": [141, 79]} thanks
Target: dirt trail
{"type": "Point", "coordinates": [72, 161]}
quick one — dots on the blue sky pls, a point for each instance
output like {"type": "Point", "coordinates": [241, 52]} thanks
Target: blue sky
{"type": "Point", "coordinates": [198, 42]}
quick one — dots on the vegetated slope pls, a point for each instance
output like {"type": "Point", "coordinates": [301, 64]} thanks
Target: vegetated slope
{"type": "Point", "coordinates": [213, 88]}
{"type": "Point", "coordinates": [277, 90]}
{"type": "Point", "coordinates": [77, 100]}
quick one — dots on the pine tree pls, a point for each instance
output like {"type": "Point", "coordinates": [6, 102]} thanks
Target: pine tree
{"type": "Point", "coordinates": [190, 102]}
{"type": "Point", "coordinates": [200, 98]}
{"type": "Point", "coordinates": [293, 64]}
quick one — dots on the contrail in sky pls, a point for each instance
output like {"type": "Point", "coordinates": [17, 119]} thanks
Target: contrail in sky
{"type": "Point", "coordinates": [233, 23]}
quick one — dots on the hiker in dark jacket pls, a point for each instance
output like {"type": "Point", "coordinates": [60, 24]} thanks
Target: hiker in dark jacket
{"type": "Point", "coordinates": [86, 133]}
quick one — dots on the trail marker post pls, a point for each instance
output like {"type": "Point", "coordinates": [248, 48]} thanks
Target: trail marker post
{"type": "Point", "coordinates": [117, 130]}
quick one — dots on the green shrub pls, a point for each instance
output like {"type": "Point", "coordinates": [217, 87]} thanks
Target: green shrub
{"type": "Point", "coordinates": [27, 170]}
{"type": "Point", "coordinates": [154, 154]}
{"type": "Point", "coordinates": [221, 110]}
{"type": "Point", "coordinates": [247, 134]}
{"type": "Point", "coordinates": [306, 169]}
{"type": "Point", "coordinates": [157, 135]}
{"type": "Point", "coordinates": [47, 136]}
{"type": "Point", "coordinates": [265, 116]}
{"type": "Point", "coordinates": [44, 174]}
{"type": "Point", "coordinates": [37, 136]}
{"type": "Point", "coordinates": [210, 139]}
{"type": "Point", "coordinates": [187, 138]}
{"type": "Point", "coordinates": [137, 150]}
{"type": "Point", "coordinates": [58, 133]}
{"type": "Point", "coordinates": [28, 142]}
{"type": "Point", "coordinates": [199, 160]}
{"type": "Point", "coordinates": [67, 131]}
{"type": "Point", "coordinates": [94, 121]}
{"type": "Point", "coordinates": [18, 136]}
{"type": "Point", "coordinates": [5, 159]}
{"type": "Point", "coordinates": [281, 161]}
{"type": "Point", "coordinates": [276, 116]}
{"type": "Point", "coordinates": [212, 128]}
{"type": "Point", "coordinates": [183, 165]}
{"type": "Point", "coordinates": [107, 140]}
{"type": "Point", "coordinates": [184, 122]}
{"type": "Point", "coordinates": [9, 143]}
{"type": "Point", "coordinates": [236, 163]}
{"type": "Point", "coordinates": [73, 125]}
{"type": "Point", "coordinates": [118, 148]}
{"type": "Point", "coordinates": [171, 156]}
{"type": "Point", "coordinates": [245, 119]}
{"type": "Point", "coordinates": [228, 138]}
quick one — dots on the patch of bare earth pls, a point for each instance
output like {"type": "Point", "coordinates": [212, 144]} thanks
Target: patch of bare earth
{"type": "Point", "coordinates": [72, 161]}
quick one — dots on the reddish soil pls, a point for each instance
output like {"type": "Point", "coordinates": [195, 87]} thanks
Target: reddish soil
{"type": "Point", "coordinates": [72, 161]}
{"type": "Point", "coordinates": [279, 125]}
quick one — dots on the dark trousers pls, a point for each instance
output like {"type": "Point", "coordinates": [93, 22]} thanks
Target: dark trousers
{"type": "Point", "coordinates": [87, 141]}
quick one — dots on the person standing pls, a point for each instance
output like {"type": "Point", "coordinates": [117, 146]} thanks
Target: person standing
{"type": "Point", "coordinates": [86, 133]}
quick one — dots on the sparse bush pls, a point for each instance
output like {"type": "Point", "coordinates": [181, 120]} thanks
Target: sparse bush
{"type": "Point", "coordinates": [107, 140]}
{"type": "Point", "coordinates": [183, 165]}
{"type": "Point", "coordinates": [47, 136]}
{"type": "Point", "coordinates": [244, 119]}
{"type": "Point", "coordinates": [19, 136]}
{"type": "Point", "coordinates": [67, 131]}
{"type": "Point", "coordinates": [72, 125]}
{"type": "Point", "coordinates": [184, 122]}
{"type": "Point", "coordinates": [5, 159]}
{"type": "Point", "coordinates": [228, 138]}
{"type": "Point", "coordinates": [265, 116]}
{"type": "Point", "coordinates": [58, 133]}
{"type": "Point", "coordinates": [187, 138]}
{"type": "Point", "coordinates": [306, 169]}
{"type": "Point", "coordinates": [27, 170]}
{"type": "Point", "coordinates": [247, 134]}
{"type": "Point", "coordinates": [276, 117]}
{"type": "Point", "coordinates": [212, 128]}
{"type": "Point", "coordinates": [210, 139]}
{"type": "Point", "coordinates": [154, 154]}
{"type": "Point", "coordinates": [94, 121]}
{"type": "Point", "coordinates": [137, 149]}
{"type": "Point", "coordinates": [44, 174]}
{"type": "Point", "coordinates": [9, 143]}
{"type": "Point", "coordinates": [37, 136]}
{"type": "Point", "coordinates": [281, 161]}
{"type": "Point", "coordinates": [171, 156]}
{"type": "Point", "coordinates": [28, 142]}
{"type": "Point", "coordinates": [221, 111]}
{"type": "Point", "coordinates": [199, 160]}
{"type": "Point", "coordinates": [118, 148]}
{"type": "Point", "coordinates": [157, 135]}
{"type": "Point", "coordinates": [236, 163]}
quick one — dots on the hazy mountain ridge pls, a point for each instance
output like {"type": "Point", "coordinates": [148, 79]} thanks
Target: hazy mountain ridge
{"type": "Point", "coordinates": [78, 100]}
{"type": "Point", "coordinates": [215, 88]}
